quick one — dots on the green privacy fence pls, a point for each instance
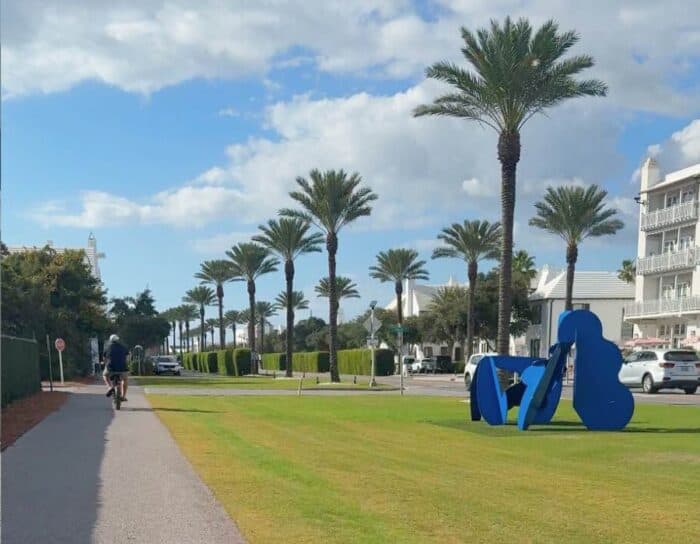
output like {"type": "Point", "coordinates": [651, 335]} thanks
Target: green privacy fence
{"type": "Point", "coordinates": [20, 368]}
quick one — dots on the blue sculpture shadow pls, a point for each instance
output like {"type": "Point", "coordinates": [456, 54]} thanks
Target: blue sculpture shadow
{"type": "Point", "coordinates": [600, 400]}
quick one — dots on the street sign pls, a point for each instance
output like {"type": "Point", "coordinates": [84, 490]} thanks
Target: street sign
{"type": "Point", "coordinates": [372, 324]}
{"type": "Point", "coordinates": [372, 342]}
{"type": "Point", "coordinates": [397, 329]}
{"type": "Point", "coordinates": [60, 344]}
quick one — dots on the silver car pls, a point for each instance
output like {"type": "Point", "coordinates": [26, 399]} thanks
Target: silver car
{"type": "Point", "coordinates": [166, 363]}
{"type": "Point", "coordinates": [661, 369]}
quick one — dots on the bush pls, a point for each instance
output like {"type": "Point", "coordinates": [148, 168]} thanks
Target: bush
{"type": "Point", "coordinates": [146, 367]}
{"type": "Point", "coordinates": [241, 361]}
{"type": "Point", "coordinates": [20, 368]}
{"type": "Point", "coordinates": [225, 362]}
{"type": "Point", "coordinates": [312, 361]}
{"type": "Point", "coordinates": [212, 362]}
{"type": "Point", "coordinates": [194, 361]}
{"type": "Point", "coordinates": [359, 362]}
{"type": "Point", "coordinates": [274, 361]}
{"type": "Point", "coordinates": [187, 361]}
{"type": "Point", "coordinates": [458, 367]}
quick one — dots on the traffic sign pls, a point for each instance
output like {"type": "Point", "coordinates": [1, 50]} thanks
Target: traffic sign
{"type": "Point", "coordinates": [398, 328]}
{"type": "Point", "coordinates": [60, 344]}
{"type": "Point", "coordinates": [372, 324]}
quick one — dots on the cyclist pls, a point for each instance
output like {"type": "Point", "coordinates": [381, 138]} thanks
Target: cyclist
{"type": "Point", "coordinates": [115, 363]}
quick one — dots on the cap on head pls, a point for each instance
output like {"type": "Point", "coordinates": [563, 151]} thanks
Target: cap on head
{"type": "Point", "coordinates": [114, 338]}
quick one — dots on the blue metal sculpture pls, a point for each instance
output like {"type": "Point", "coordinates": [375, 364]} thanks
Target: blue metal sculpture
{"type": "Point", "coordinates": [600, 400]}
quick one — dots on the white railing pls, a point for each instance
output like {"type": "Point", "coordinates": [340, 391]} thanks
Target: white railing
{"type": "Point", "coordinates": [688, 211]}
{"type": "Point", "coordinates": [672, 260]}
{"type": "Point", "coordinates": [650, 308]}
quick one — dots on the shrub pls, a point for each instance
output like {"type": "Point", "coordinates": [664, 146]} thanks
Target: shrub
{"type": "Point", "coordinates": [212, 362]}
{"type": "Point", "coordinates": [194, 361]}
{"type": "Point", "coordinates": [274, 361]}
{"type": "Point", "coordinates": [312, 361]}
{"type": "Point", "coordinates": [241, 361]}
{"type": "Point", "coordinates": [20, 368]}
{"type": "Point", "coordinates": [146, 367]}
{"type": "Point", "coordinates": [458, 367]}
{"type": "Point", "coordinates": [225, 362]}
{"type": "Point", "coordinates": [359, 362]}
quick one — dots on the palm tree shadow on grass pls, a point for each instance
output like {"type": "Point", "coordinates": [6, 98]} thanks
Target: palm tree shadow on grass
{"type": "Point", "coordinates": [184, 410]}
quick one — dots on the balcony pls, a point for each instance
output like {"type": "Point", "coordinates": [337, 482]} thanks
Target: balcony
{"type": "Point", "coordinates": [673, 215]}
{"type": "Point", "coordinates": [666, 262]}
{"type": "Point", "coordinates": [662, 307]}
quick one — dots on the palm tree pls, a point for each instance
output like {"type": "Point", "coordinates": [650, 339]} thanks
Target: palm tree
{"type": "Point", "coordinates": [201, 296]}
{"type": "Point", "coordinates": [211, 325]}
{"type": "Point", "coordinates": [168, 316]}
{"type": "Point", "coordinates": [217, 273]}
{"type": "Point", "coordinates": [180, 317]}
{"type": "Point", "coordinates": [524, 265]}
{"type": "Point", "coordinates": [517, 73]}
{"type": "Point", "coordinates": [574, 214]}
{"type": "Point", "coordinates": [232, 318]}
{"type": "Point", "coordinates": [330, 201]}
{"type": "Point", "coordinates": [344, 288]}
{"type": "Point", "coordinates": [628, 272]}
{"type": "Point", "coordinates": [264, 310]}
{"type": "Point", "coordinates": [288, 238]}
{"type": "Point", "coordinates": [395, 266]}
{"type": "Point", "coordinates": [249, 261]}
{"type": "Point", "coordinates": [291, 304]}
{"type": "Point", "coordinates": [471, 241]}
{"type": "Point", "coordinates": [189, 313]}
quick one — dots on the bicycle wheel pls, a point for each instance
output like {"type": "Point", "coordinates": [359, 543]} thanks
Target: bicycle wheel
{"type": "Point", "coordinates": [117, 397]}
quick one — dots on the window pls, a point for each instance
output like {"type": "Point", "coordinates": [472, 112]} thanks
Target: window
{"type": "Point", "coordinates": [669, 246]}
{"type": "Point", "coordinates": [685, 242]}
{"type": "Point", "coordinates": [664, 330]}
{"type": "Point", "coordinates": [444, 350]}
{"type": "Point", "coordinates": [428, 351]}
{"type": "Point", "coordinates": [535, 347]}
{"type": "Point", "coordinates": [679, 329]}
{"type": "Point", "coordinates": [682, 290]}
{"type": "Point", "coordinates": [667, 291]}
{"type": "Point", "coordinates": [536, 314]}
{"type": "Point", "coordinates": [687, 194]}
{"type": "Point", "coordinates": [679, 356]}
{"type": "Point", "coordinates": [671, 200]}
{"type": "Point", "coordinates": [582, 306]}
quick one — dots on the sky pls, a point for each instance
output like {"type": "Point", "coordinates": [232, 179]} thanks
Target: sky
{"type": "Point", "coordinates": [172, 129]}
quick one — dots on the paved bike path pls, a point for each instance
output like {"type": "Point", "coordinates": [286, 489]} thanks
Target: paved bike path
{"type": "Point", "coordinates": [89, 475]}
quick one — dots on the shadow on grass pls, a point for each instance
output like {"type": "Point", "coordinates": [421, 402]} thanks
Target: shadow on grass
{"type": "Point", "coordinates": [186, 410]}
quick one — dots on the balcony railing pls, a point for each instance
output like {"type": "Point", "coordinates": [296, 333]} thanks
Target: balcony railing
{"type": "Point", "coordinates": [664, 217]}
{"type": "Point", "coordinates": [662, 306]}
{"type": "Point", "coordinates": [672, 260]}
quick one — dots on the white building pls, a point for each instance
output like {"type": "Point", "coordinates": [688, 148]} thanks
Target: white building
{"type": "Point", "coordinates": [600, 292]}
{"type": "Point", "coordinates": [666, 306]}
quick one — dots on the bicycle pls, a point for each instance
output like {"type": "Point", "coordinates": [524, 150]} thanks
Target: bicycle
{"type": "Point", "coordinates": [116, 380]}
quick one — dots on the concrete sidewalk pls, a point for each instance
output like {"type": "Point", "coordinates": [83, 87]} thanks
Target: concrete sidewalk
{"type": "Point", "coordinates": [87, 474]}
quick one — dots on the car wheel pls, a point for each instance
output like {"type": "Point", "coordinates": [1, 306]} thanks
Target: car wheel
{"type": "Point", "coordinates": [467, 381]}
{"type": "Point", "coordinates": [177, 373]}
{"type": "Point", "coordinates": [648, 385]}
{"type": "Point", "coordinates": [690, 390]}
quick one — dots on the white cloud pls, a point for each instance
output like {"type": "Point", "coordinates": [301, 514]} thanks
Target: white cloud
{"type": "Point", "coordinates": [682, 149]}
{"type": "Point", "coordinates": [477, 188]}
{"type": "Point", "coordinates": [228, 112]}
{"type": "Point", "coordinates": [220, 243]}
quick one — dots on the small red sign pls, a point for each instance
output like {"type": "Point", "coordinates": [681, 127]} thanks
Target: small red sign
{"type": "Point", "coordinates": [60, 344]}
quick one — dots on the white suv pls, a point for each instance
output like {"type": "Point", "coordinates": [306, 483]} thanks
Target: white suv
{"type": "Point", "coordinates": [661, 369]}
{"type": "Point", "coordinates": [470, 367]}
{"type": "Point", "coordinates": [166, 363]}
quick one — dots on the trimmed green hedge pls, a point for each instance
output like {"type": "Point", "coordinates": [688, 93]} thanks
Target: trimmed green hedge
{"type": "Point", "coordinates": [212, 362]}
{"type": "Point", "coordinates": [274, 361]}
{"type": "Point", "coordinates": [241, 361]}
{"type": "Point", "coordinates": [20, 368]}
{"type": "Point", "coordinates": [186, 361]}
{"type": "Point", "coordinates": [359, 362]}
{"type": "Point", "coordinates": [225, 362]}
{"type": "Point", "coordinates": [311, 361]}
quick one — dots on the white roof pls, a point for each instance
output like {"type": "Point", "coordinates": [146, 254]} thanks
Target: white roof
{"type": "Point", "coordinates": [674, 177]}
{"type": "Point", "coordinates": [587, 285]}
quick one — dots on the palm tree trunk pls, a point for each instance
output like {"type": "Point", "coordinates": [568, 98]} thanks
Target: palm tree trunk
{"type": "Point", "coordinates": [233, 331]}
{"type": "Point", "coordinates": [222, 329]}
{"type": "Point", "coordinates": [179, 326]}
{"type": "Point", "coordinates": [508, 155]}
{"type": "Point", "coordinates": [174, 339]}
{"type": "Point", "coordinates": [212, 336]}
{"type": "Point", "coordinates": [251, 327]}
{"type": "Point", "coordinates": [262, 335]}
{"type": "Point", "coordinates": [202, 332]}
{"type": "Point", "coordinates": [472, 275]}
{"type": "Point", "coordinates": [187, 332]}
{"type": "Point", "coordinates": [289, 277]}
{"type": "Point", "coordinates": [332, 247]}
{"type": "Point", "coordinates": [571, 258]}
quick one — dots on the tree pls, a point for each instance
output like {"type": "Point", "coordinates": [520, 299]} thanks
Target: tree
{"type": "Point", "coordinates": [232, 318]}
{"type": "Point", "coordinates": [397, 265]}
{"type": "Point", "coordinates": [264, 310]}
{"type": "Point", "coordinates": [201, 296]}
{"type": "Point", "coordinates": [471, 241]}
{"type": "Point", "coordinates": [137, 322]}
{"type": "Point", "coordinates": [524, 265]}
{"type": "Point", "coordinates": [189, 313]}
{"type": "Point", "coordinates": [217, 273]}
{"type": "Point", "coordinates": [574, 214]}
{"type": "Point", "coordinates": [344, 288]}
{"type": "Point", "coordinates": [289, 238]}
{"type": "Point", "coordinates": [249, 262]}
{"type": "Point", "coordinates": [304, 329]}
{"type": "Point", "coordinates": [517, 73]}
{"type": "Point", "coordinates": [448, 316]}
{"type": "Point", "coordinates": [628, 271]}
{"type": "Point", "coordinates": [211, 325]}
{"type": "Point", "coordinates": [180, 316]}
{"type": "Point", "coordinates": [331, 201]}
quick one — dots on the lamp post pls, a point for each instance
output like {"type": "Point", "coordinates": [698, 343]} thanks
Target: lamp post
{"type": "Point", "coordinates": [372, 305]}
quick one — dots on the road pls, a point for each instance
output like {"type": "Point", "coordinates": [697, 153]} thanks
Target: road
{"type": "Point", "coordinates": [87, 474]}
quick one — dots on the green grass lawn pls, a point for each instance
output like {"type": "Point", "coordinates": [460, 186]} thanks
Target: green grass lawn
{"type": "Point", "coordinates": [258, 382]}
{"type": "Point", "coordinates": [390, 469]}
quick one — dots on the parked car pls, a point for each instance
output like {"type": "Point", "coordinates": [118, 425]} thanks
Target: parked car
{"type": "Point", "coordinates": [407, 364]}
{"type": "Point", "coordinates": [163, 364]}
{"type": "Point", "coordinates": [427, 364]}
{"type": "Point", "coordinates": [470, 367]}
{"type": "Point", "coordinates": [661, 369]}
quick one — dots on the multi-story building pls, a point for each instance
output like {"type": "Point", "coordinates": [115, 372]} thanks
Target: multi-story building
{"type": "Point", "coordinates": [666, 305]}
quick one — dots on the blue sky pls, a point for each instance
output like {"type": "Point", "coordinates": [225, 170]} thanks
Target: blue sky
{"type": "Point", "coordinates": [172, 133]}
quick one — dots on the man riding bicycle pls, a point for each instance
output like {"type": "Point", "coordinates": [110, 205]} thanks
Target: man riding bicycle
{"type": "Point", "coordinates": [115, 363]}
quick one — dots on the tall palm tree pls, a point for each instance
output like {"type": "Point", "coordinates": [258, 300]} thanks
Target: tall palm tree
{"type": "Point", "coordinates": [291, 304]}
{"type": "Point", "coordinates": [232, 318]}
{"type": "Point", "coordinates": [249, 261]}
{"type": "Point", "coordinates": [517, 73]}
{"type": "Point", "coordinates": [344, 288]}
{"type": "Point", "coordinates": [264, 310]}
{"type": "Point", "coordinates": [180, 317]}
{"type": "Point", "coordinates": [211, 326]}
{"type": "Point", "coordinates": [331, 200]}
{"type": "Point", "coordinates": [395, 266]}
{"type": "Point", "coordinates": [628, 271]}
{"type": "Point", "coordinates": [289, 238]}
{"type": "Point", "coordinates": [217, 273]}
{"type": "Point", "coordinates": [201, 296]}
{"type": "Point", "coordinates": [574, 214]}
{"type": "Point", "coordinates": [524, 265]}
{"type": "Point", "coordinates": [168, 316]}
{"type": "Point", "coordinates": [471, 241]}
{"type": "Point", "coordinates": [189, 313]}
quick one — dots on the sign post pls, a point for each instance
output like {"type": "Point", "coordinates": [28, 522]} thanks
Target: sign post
{"type": "Point", "coordinates": [60, 346]}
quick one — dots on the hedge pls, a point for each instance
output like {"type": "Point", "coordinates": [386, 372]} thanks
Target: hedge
{"type": "Point", "coordinates": [225, 362]}
{"type": "Point", "coordinates": [458, 367]}
{"type": "Point", "coordinates": [274, 361]}
{"type": "Point", "coordinates": [241, 361]}
{"type": "Point", "coordinates": [311, 361]}
{"type": "Point", "coordinates": [212, 362]}
{"type": "Point", "coordinates": [359, 362]}
{"type": "Point", "coordinates": [20, 368]}
{"type": "Point", "coordinates": [186, 360]}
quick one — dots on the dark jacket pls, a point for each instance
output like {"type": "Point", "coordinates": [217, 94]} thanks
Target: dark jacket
{"type": "Point", "coordinates": [115, 356]}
